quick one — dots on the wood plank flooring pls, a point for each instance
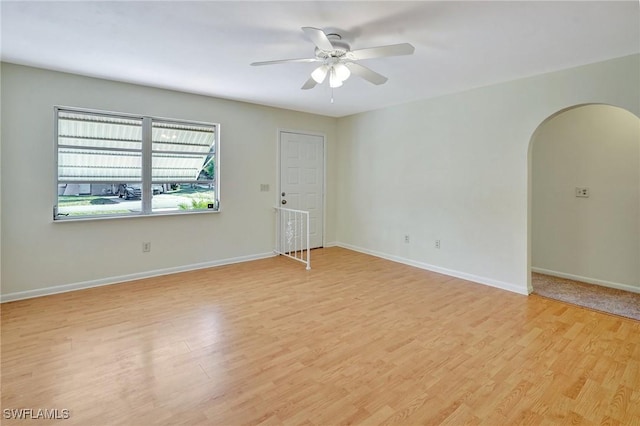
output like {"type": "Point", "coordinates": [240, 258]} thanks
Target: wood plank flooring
{"type": "Point", "coordinates": [356, 340]}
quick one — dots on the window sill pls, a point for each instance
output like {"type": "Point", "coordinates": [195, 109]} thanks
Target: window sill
{"type": "Point", "coordinates": [65, 219]}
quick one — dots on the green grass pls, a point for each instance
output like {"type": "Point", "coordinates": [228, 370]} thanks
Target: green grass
{"type": "Point", "coordinates": [198, 204]}
{"type": "Point", "coordinates": [185, 190]}
{"type": "Point", "coordinates": [200, 197]}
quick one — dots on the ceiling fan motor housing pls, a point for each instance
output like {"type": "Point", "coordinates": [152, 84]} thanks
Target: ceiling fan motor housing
{"type": "Point", "coordinates": [340, 48]}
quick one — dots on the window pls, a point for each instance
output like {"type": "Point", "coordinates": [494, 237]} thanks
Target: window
{"type": "Point", "coordinates": [113, 165]}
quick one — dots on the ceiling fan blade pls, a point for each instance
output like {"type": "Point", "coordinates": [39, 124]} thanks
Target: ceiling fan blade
{"type": "Point", "coordinates": [285, 61]}
{"type": "Point", "coordinates": [366, 73]}
{"type": "Point", "coordinates": [309, 84]}
{"type": "Point", "coordinates": [381, 51]}
{"type": "Point", "coordinates": [318, 37]}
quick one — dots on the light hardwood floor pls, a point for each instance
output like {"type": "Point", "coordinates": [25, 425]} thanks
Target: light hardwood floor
{"type": "Point", "coordinates": [356, 340]}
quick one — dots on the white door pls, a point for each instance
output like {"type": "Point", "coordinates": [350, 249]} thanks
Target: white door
{"type": "Point", "coordinates": [302, 179]}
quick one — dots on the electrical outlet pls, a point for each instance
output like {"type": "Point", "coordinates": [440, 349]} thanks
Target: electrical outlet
{"type": "Point", "coordinates": [437, 244]}
{"type": "Point", "coordinates": [407, 240]}
{"type": "Point", "coordinates": [146, 247]}
{"type": "Point", "coordinates": [582, 192]}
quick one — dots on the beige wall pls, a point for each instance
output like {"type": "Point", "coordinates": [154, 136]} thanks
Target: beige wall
{"type": "Point", "coordinates": [455, 168]}
{"type": "Point", "coordinates": [38, 254]}
{"type": "Point", "coordinates": [594, 239]}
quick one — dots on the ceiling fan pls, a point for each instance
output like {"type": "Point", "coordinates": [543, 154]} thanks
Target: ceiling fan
{"type": "Point", "coordinates": [339, 61]}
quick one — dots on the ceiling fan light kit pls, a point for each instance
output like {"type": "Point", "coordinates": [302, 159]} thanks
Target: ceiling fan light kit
{"type": "Point", "coordinates": [342, 72]}
{"type": "Point", "coordinates": [338, 74]}
{"type": "Point", "coordinates": [334, 80]}
{"type": "Point", "coordinates": [339, 61]}
{"type": "Point", "coordinates": [320, 73]}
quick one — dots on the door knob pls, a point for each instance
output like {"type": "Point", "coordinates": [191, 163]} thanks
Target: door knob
{"type": "Point", "coordinates": [284, 201]}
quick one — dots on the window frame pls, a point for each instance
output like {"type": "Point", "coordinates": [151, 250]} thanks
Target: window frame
{"type": "Point", "coordinates": [146, 153]}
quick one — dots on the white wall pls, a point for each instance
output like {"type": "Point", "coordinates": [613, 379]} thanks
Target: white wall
{"type": "Point", "coordinates": [455, 168]}
{"type": "Point", "coordinates": [38, 254]}
{"type": "Point", "coordinates": [595, 239]}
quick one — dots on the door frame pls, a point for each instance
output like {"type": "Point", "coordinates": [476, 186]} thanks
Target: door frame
{"type": "Point", "coordinates": [324, 172]}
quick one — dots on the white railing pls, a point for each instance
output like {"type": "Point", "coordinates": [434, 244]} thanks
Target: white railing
{"type": "Point", "coordinates": [292, 234]}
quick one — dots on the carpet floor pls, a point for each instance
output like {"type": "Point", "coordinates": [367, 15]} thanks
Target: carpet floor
{"type": "Point", "coordinates": [613, 301]}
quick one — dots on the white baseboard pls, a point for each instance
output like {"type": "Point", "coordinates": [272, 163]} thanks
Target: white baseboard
{"type": "Point", "coordinates": [20, 295]}
{"type": "Point", "coordinates": [463, 275]}
{"type": "Point", "coordinates": [330, 244]}
{"type": "Point", "coordinates": [587, 280]}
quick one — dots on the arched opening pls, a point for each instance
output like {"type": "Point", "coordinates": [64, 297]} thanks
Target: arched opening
{"type": "Point", "coordinates": [584, 198]}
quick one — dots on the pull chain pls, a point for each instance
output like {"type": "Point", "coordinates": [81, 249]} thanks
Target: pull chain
{"type": "Point", "coordinates": [332, 95]}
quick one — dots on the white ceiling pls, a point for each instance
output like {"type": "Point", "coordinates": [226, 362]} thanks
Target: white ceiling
{"type": "Point", "coordinates": [205, 47]}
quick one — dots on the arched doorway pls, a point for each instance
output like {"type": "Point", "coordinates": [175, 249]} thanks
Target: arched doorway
{"type": "Point", "coordinates": [584, 197]}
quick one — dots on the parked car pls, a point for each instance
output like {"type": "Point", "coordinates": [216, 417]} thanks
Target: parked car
{"type": "Point", "coordinates": [132, 191]}
{"type": "Point", "coordinates": [129, 191]}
